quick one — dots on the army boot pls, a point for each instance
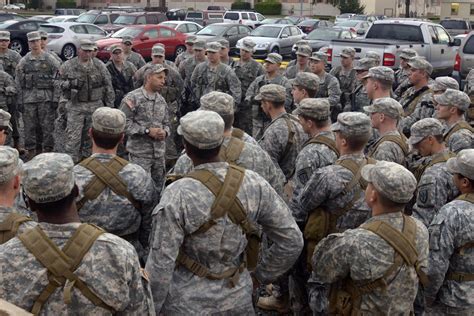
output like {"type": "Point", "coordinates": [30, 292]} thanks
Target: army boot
{"type": "Point", "coordinates": [272, 303]}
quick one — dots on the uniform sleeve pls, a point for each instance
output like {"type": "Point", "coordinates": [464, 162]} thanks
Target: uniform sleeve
{"type": "Point", "coordinates": [463, 139]}
{"type": "Point", "coordinates": [274, 142]}
{"type": "Point", "coordinates": [431, 196]}
{"type": "Point", "coordinates": [251, 91]}
{"type": "Point", "coordinates": [141, 61]}
{"type": "Point", "coordinates": [128, 106]}
{"type": "Point", "coordinates": [388, 151]}
{"type": "Point", "coordinates": [109, 93]}
{"type": "Point", "coordinates": [18, 81]}
{"type": "Point", "coordinates": [235, 86]}
{"type": "Point", "coordinates": [334, 93]}
{"type": "Point", "coordinates": [166, 119]}
{"type": "Point", "coordinates": [316, 191]}
{"type": "Point", "coordinates": [195, 86]}
{"type": "Point", "coordinates": [10, 85]}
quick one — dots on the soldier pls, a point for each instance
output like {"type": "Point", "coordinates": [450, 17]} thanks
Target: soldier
{"type": "Point", "coordinates": [272, 75]}
{"type": "Point", "coordinates": [450, 108]}
{"type": "Point", "coordinates": [219, 251]}
{"type": "Point", "coordinates": [44, 43]}
{"type": "Point", "coordinates": [435, 184]}
{"type": "Point", "coordinates": [35, 77]}
{"type": "Point", "coordinates": [62, 266]}
{"type": "Point", "coordinates": [224, 53]}
{"type": "Point", "coordinates": [8, 93]}
{"type": "Point", "coordinates": [328, 84]}
{"type": "Point", "coordinates": [302, 62]}
{"type": "Point", "coordinates": [87, 85]}
{"type": "Point", "coordinates": [401, 75]}
{"type": "Point", "coordinates": [167, 63]}
{"type": "Point", "coordinates": [212, 75]}
{"type": "Point", "coordinates": [416, 101]}
{"type": "Point", "coordinates": [359, 98]}
{"type": "Point", "coordinates": [5, 126]}
{"type": "Point", "coordinates": [126, 195]}
{"type": "Point", "coordinates": [129, 55]}
{"type": "Point", "coordinates": [346, 74]}
{"type": "Point", "coordinates": [284, 137]}
{"type": "Point", "coordinates": [451, 235]}
{"type": "Point", "coordinates": [304, 85]}
{"type": "Point", "coordinates": [440, 85]}
{"type": "Point", "coordinates": [189, 52]}
{"type": "Point", "coordinates": [375, 56]}
{"type": "Point", "coordinates": [390, 145]}
{"type": "Point", "coordinates": [121, 73]}
{"type": "Point", "coordinates": [247, 70]}
{"type": "Point", "coordinates": [378, 82]}
{"type": "Point", "coordinates": [469, 89]}
{"type": "Point", "coordinates": [297, 44]}
{"type": "Point", "coordinates": [381, 278]}
{"type": "Point", "coordinates": [148, 124]}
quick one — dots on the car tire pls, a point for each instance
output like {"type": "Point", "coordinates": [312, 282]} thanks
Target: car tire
{"type": "Point", "coordinates": [180, 49]}
{"type": "Point", "coordinates": [275, 50]}
{"type": "Point", "coordinates": [68, 51]}
{"type": "Point", "coordinates": [18, 46]}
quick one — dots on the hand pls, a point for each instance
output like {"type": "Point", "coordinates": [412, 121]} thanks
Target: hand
{"type": "Point", "coordinates": [157, 133]}
{"type": "Point", "coordinates": [255, 282]}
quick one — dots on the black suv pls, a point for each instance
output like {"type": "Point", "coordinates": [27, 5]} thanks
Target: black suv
{"type": "Point", "coordinates": [5, 16]}
{"type": "Point", "coordinates": [176, 14]}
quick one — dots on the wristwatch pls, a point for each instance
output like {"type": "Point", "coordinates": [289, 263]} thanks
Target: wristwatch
{"type": "Point", "coordinates": [147, 131]}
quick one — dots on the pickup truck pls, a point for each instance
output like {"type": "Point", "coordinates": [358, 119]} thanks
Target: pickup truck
{"type": "Point", "coordinates": [390, 37]}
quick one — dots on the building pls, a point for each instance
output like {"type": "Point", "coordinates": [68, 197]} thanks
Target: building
{"type": "Point", "coordinates": [459, 9]}
{"type": "Point", "coordinates": [396, 8]}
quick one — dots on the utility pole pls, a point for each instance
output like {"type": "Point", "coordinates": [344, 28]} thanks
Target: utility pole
{"type": "Point", "coordinates": [301, 7]}
{"type": "Point", "coordinates": [407, 8]}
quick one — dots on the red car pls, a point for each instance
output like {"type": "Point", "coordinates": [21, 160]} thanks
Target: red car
{"type": "Point", "coordinates": [144, 37]}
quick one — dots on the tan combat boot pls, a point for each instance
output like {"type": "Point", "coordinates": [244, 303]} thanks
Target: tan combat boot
{"type": "Point", "coordinates": [272, 303]}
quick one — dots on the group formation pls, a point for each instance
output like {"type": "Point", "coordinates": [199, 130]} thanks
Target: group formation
{"type": "Point", "coordinates": [212, 185]}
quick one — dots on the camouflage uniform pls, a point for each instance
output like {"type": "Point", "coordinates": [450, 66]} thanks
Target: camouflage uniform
{"type": "Point", "coordinates": [358, 99]}
{"type": "Point", "coordinates": [347, 79]}
{"type": "Point", "coordinates": [221, 247]}
{"type": "Point", "coordinates": [190, 39]}
{"type": "Point", "coordinates": [469, 89]}
{"type": "Point", "coordinates": [8, 93]}
{"type": "Point", "coordinates": [122, 79]}
{"type": "Point", "coordinates": [136, 59]}
{"type": "Point", "coordinates": [402, 82]}
{"type": "Point", "coordinates": [292, 70]}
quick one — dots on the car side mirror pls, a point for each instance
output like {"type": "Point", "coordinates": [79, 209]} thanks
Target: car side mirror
{"type": "Point", "coordinates": [144, 38]}
{"type": "Point", "coordinates": [455, 42]}
{"type": "Point", "coordinates": [284, 35]}
{"type": "Point", "coordinates": [360, 32]}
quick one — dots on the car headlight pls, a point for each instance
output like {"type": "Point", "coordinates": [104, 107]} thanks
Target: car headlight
{"type": "Point", "coordinates": [263, 45]}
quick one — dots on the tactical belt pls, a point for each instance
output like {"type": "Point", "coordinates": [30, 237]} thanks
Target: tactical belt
{"type": "Point", "coordinates": [61, 264]}
{"type": "Point", "coordinates": [439, 158]}
{"type": "Point", "coordinates": [458, 126]}
{"type": "Point", "coordinates": [409, 105]}
{"type": "Point", "coordinates": [320, 139]}
{"type": "Point", "coordinates": [400, 140]}
{"type": "Point", "coordinates": [9, 227]}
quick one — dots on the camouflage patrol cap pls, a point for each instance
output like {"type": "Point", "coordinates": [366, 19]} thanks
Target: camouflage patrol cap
{"type": "Point", "coordinates": [127, 39]}
{"type": "Point", "coordinates": [5, 119]}
{"type": "Point", "coordinates": [10, 163]}
{"type": "Point", "coordinates": [33, 36]}
{"type": "Point", "coordinates": [306, 80]}
{"type": "Point", "coordinates": [87, 45]}
{"type": "Point", "coordinates": [319, 56]}
{"type": "Point", "coordinates": [158, 50]}
{"type": "Point", "coordinates": [420, 63]}
{"type": "Point", "coordinates": [348, 52]}
{"type": "Point", "coordinates": [199, 45]}
{"type": "Point", "coordinates": [202, 129]}
{"type": "Point", "coordinates": [218, 102]}
{"type": "Point", "coordinates": [462, 164]}
{"type": "Point", "coordinates": [224, 43]}
{"type": "Point", "coordinates": [365, 64]}
{"type": "Point", "coordinates": [443, 83]}
{"type": "Point", "coordinates": [114, 48]}
{"type": "Point", "coordinates": [247, 44]}
{"type": "Point", "coordinates": [382, 73]}
{"type": "Point", "coordinates": [424, 128]}
{"type": "Point", "coordinates": [156, 69]}
{"type": "Point", "coordinates": [455, 98]}
{"type": "Point", "coordinates": [48, 177]}
{"type": "Point", "coordinates": [316, 108]}
{"type": "Point", "coordinates": [387, 106]}
{"type": "Point", "coordinates": [373, 55]}
{"type": "Point", "coordinates": [272, 92]}
{"type": "Point", "coordinates": [43, 34]}
{"type": "Point", "coordinates": [213, 47]}
{"type": "Point", "coordinates": [301, 42]}
{"type": "Point", "coordinates": [391, 180]}
{"type": "Point", "coordinates": [304, 50]}
{"type": "Point", "coordinates": [274, 58]}
{"type": "Point", "coordinates": [108, 120]}
{"type": "Point", "coordinates": [190, 39]}
{"type": "Point", "coordinates": [352, 124]}
{"type": "Point", "coordinates": [4, 35]}
{"type": "Point", "coordinates": [408, 53]}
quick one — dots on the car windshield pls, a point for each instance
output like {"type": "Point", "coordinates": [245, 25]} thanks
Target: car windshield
{"type": "Point", "coordinates": [447, 24]}
{"type": "Point", "coordinates": [128, 31]}
{"type": "Point", "coordinates": [270, 21]}
{"type": "Point", "coordinates": [86, 18]}
{"type": "Point", "coordinates": [293, 19]}
{"type": "Point", "coordinates": [57, 19]}
{"type": "Point", "coordinates": [323, 34]}
{"type": "Point", "coordinates": [169, 24]}
{"type": "Point", "coordinates": [51, 29]}
{"type": "Point", "coordinates": [212, 30]}
{"type": "Point", "coordinates": [266, 31]}
{"type": "Point", "coordinates": [359, 17]}
{"type": "Point", "coordinates": [194, 15]}
{"type": "Point", "coordinates": [347, 23]}
{"type": "Point", "coordinates": [308, 23]}
{"type": "Point", "coordinates": [125, 20]}
{"type": "Point", "coordinates": [8, 23]}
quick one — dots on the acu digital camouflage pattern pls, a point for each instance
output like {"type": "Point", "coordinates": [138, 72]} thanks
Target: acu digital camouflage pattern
{"type": "Point", "coordinates": [10, 163]}
{"type": "Point", "coordinates": [442, 83]}
{"type": "Point", "coordinates": [8, 91]}
{"type": "Point", "coordinates": [347, 82]}
{"type": "Point", "coordinates": [9, 60]}
{"type": "Point", "coordinates": [306, 80]}
{"type": "Point", "coordinates": [202, 135]}
{"type": "Point", "coordinates": [329, 88]}
{"type": "Point", "coordinates": [388, 150]}
{"type": "Point", "coordinates": [135, 58]}
{"type": "Point", "coordinates": [122, 79]}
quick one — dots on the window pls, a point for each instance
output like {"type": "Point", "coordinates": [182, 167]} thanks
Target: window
{"type": "Point", "coordinates": [472, 9]}
{"type": "Point", "coordinates": [443, 37]}
{"type": "Point", "coordinates": [243, 30]}
{"type": "Point", "coordinates": [245, 16]}
{"type": "Point", "coordinates": [260, 17]}
{"type": "Point", "coordinates": [151, 19]}
{"type": "Point", "coordinates": [166, 33]}
{"type": "Point", "coordinates": [101, 19]}
{"type": "Point", "coordinates": [182, 28]}
{"type": "Point", "coordinates": [286, 31]}
{"type": "Point", "coordinates": [469, 47]}
{"type": "Point", "coordinates": [151, 34]}
{"type": "Point", "coordinates": [454, 8]}
{"type": "Point", "coordinates": [234, 16]}
{"type": "Point", "coordinates": [94, 30]}
{"type": "Point", "coordinates": [294, 31]}
{"type": "Point", "coordinates": [400, 32]}
{"type": "Point", "coordinates": [252, 17]}
{"type": "Point", "coordinates": [434, 36]}
{"type": "Point", "coordinates": [28, 26]}
{"type": "Point", "coordinates": [232, 31]}
{"type": "Point", "coordinates": [79, 29]}
{"type": "Point", "coordinates": [113, 17]}
{"type": "Point", "coordinates": [454, 24]}
{"type": "Point", "coordinates": [141, 20]}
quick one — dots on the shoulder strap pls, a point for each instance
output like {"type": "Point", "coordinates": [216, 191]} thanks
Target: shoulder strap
{"type": "Point", "coordinates": [469, 197]}
{"type": "Point", "coordinates": [237, 133]}
{"type": "Point", "coordinates": [400, 140]}
{"type": "Point", "coordinates": [232, 151]}
{"type": "Point", "coordinates": [437, 159]}
{"type": "Point", "coordinates": [458, 126]}
{"type": "Point", "coordinates": [62, 264]}
{"type": "Point", "coordinates": [356, 171]}
{"type": "Point", "coordinates": [410, 104]}
{"type": "Point", "coordinates": [320, 139]}
{"type": "Point", "coordinates": [9, 227]}
{"type": "Point", "coordinates": [291, 137]}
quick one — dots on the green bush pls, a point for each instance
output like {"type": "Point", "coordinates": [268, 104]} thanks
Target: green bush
{"type": "Point", "coordinates": [240, 5]}
{"type": "Point", "coordinates": [65, 4]}
{"type": "Point", "coordinates": [270, 7]}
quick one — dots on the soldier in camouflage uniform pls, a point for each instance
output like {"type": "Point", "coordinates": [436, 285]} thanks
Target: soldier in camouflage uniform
{"type": "Point", "coordinates": [224, 53]}
{"type": "Point", "coordinates": [8, 93]}
{"type": "Point", "coordinates": [302, 62]}
{"type": "Point", "coordinates": [346, 74]}
{"type": "Point", "coordinates": [304, 85]}
{"type": "Point", "coordinates": [109, 269]}
{"type": "Point", "coordinates": [440, 84]}
{"type": "Point", "coordinates": [186, 204]}
{"type": "Point", "coordinates": [386, 283]}
{"type": "Point", "coordinates": [35, 75]}
{"type": "Point", "coordinates": [121, 73]}
{"type": "Point", "coordinates": [129, 55]}
{"type": "Point", "coordinates": [247, 70]}
{"type": "Point", "coordinates": [375, 56]}
{"type": "Point", "coordinates": [126, 216]}
{"type": "Point", "coordinates": [328, 84]}
{"type": "Point", "coordinates": [359, 98]}
{"type": "Point", "coordinates": [5, 126]}
{"type": "Point", "coordinates": [148, 124]}
{"type": "Point", "coordinates": [401, 75]}
{"type": "Point", "coordinates": [435, 184]}
{"type": "Point", "coordinates": [297, 44]}
{"type": "Point", "coordinates": [272, 75]}
{"type": "Point", "coordinates": [87, 85]}
{"type": "Point", "coordinates": [378, 82]}
{"type": "Point", "coordinates": [189, 42]}
{"type": "Point", "coordinates": [451, 250]}
{"type": "Point", "coordinates": [469, 89]}
{"type": "Point", "coordinates": [450, 108]}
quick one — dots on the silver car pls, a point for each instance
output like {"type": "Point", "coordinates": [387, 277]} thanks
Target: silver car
{"type": "Point", "coordinates": [355, 26]}
{"type": "Point", "coordinates": [274, 38]}
{"type": "Point", "coordinates": [64, 37]}
{"type": "Point", "coordinates": [185, 27]}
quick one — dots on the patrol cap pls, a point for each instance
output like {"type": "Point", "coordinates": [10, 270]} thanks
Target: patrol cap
{"type": "Point", "coordinates": [316, 108]}
{"type": "Point", "coordinates": [443, 83]}
{"type": "Point", "coordinates": [43, 34]}
{"type": "Point", "coordinates": [387, 106]}
{"type": "Point", "coordinates": [272, 92]}
{"type": "Point", "coordinates": [455, 98]}
{"type": "Point", "coordinates": [4, 35]}
{"type": "Point", "coordinates": [352, 124]}
{"type": "Point", "coordinates": [348, 52]}
{"type": "Point", "coordinates": [421, 63]}
{"type": "Point", "coordinates": [382, 73]}
{"type": "Point", "coordinates": [158, 50]}
{"type": "Point", "coordinates": [127, 39]}
{"type": "Point", "coordinates": [202, 129]}
{"type": "Point", "coordinates": [33, 36]}
{"type": "Point", "coordinates": [408, 53]}
{"type": "Point", "coordinates": [5, 119]}
{"type": "Point", "coordinates": [390, 179]}
{"type": "Point", "coordinates": [274, 58]}
{"type": "Point", "coordinates": [10, 163]}
{"type": "Point", "coordinates": [304, 50]}
{"type": "Point", "coordinates": [114, 48]}
{"type": "Point", "coordinates": [87, 45]}
{"type": "Point", "coordinates": [247, 44]}
{"type": "Point", "coordinates": [319, 56]}
{"type": "Point", "coordinates": [306, 80]}
{"type": "Point", "coordinates": [48, 177]}
{"type": "Point", "coordinates": [199, 45]}
{"type": "Point", "coordinates": [214, 47]}
{"type": "Point", "coordinates": [108, 120]}
{"type": "Point", "coordinates": [373, 55]}
{"type": "Point", "coordinates": [424, 128]}
{"type": "Point", "coordinates": [190, 39]}
{"type": "Point", "coordinates": [301, 42]}
{"type": "Point", "coordinates": [462, 164]}
{"type": "Point", "coordinates": [156, 69]}
{"type": "Point", "coordinates": [219, 102]}
{"type": "Point", "coordinates": [224, 43]}
{"type": "Point", "coordinates": [365, 64]}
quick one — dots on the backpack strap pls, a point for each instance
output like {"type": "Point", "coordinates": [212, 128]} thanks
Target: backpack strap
{"type": "Point", "coordinates": [469, 197]}
{"type": "Point", "coordinates": [105, 175]}
{"type": "Point", "coordinates": [61, 264]}
{"type": "Point", "coordinates": [409, 105]}
{"type": "Point", "coordinates": [456, 127]}
{"type": "Point", "coordinates": [9, 227]}
{"type": "Point", "coordinates": [321, 139]}
{"type": "Point", "coordinates": [439, 158]}
{"type": "Point", "coordinates": [237, 133]}
{"type": "Point", "coordinates": [232, 151]}
{"type": "Point", "coordinates": [400, 140]}
{"type": "Point", "coordinates": [291, 137]}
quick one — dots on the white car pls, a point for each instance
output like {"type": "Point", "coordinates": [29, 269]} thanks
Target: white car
{"type": "Point", "coordinates": [11, 7]}
{"type": "Point", "coordinates": [185, 27]}
{"type": "Point", "coordinates": [63, 18]}
{"type": "Point", "coordinates": [251, 19]}
{"type": "Point", "coordinates": [64, 37]}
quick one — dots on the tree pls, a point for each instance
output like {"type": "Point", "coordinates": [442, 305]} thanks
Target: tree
{"type": "Point", "coordinates": [349, 6]}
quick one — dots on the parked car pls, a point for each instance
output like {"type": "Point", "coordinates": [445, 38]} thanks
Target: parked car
{"type": "Point", "coordinates": [11, 7]}
{"type": "Point", "coordinates": [297, 19]}
{"type": "Point", "coordinates": [322, 37]}
{"type": "Point", "coordinates": [344, 17]}
{"type": "Point", "coordinates": [41, 17]}
{"type": "Point", "coordinates": [6, 16]}
{"type": "Point", "coordinates": [69, 11]}
{"type": "Point", "coordinates": [456, 27]}
{"type": "Point", "coordinates": [230, 31]}
{"type": "Point", "coordinates": [216, 8]}
{"type": "Point", "coordinates": [356, 26]}
{"type": "Point", "coordinates": [185, 27]}
{"type": "Point", "coordinates": [205, 17]}
{"type": "Point", "coordinates": [18, 31]}
{"type": "Point", "coordinates": [275, 38]}
{"type": "Point", "coordinates": [21, 5]}
{"type": "Point", "coordinates": [176, 14]}
{"type": "Point", "coordinates": [144, 37]}
{"type": "Point", "coordinates": [63, 18]}
{"type": "Point", "coordinates": [362, 17]}
{"type": "Point", "coordinates": [283, 21]}
{"type": "Point", "coordinates": [464, 60]}
{"type": "Point", "coordinates": [252, 19]}
{"type": "Point", "coordinates": [98, 17]}
{"type": "Point", "coordinates": [308, 26]}
{"type": "Point", "coordinates": [64, 37]}
{"type": "Point", "coordinates": [135, 18]}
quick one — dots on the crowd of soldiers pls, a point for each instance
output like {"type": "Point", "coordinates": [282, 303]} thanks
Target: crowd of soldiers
{"type": "Point", "coordinates": [211, 185]}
